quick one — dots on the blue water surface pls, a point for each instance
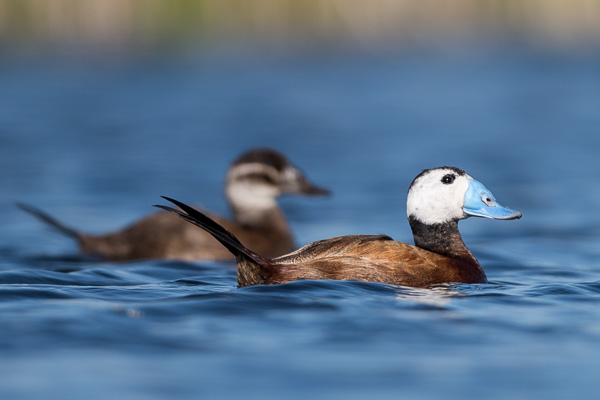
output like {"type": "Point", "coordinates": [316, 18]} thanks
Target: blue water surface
{"type": "Point", "coordinates": [96, 141]}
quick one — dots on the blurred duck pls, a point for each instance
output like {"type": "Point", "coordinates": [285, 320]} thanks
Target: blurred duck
{"type": "Point", "coordinates": [254, 182]}
{"type": "Point", "coordinates": [437, 199]}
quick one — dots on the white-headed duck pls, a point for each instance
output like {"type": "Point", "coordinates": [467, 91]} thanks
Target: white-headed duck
{"type": "Point", "coordinates": [437, 199]}
{"type": "Point", "coordinates": [254, 182]}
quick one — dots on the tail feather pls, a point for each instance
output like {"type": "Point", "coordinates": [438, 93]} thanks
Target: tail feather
{"type": "Point", "coordinates": [225, 237]}
{"type": "Point", "coordinates": [49, 220]}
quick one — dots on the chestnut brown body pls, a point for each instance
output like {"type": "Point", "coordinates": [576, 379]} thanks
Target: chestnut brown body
{"type": "Point", "coordinates": [364, 258]}
{"type": "Point", "coordinates": [162, 235]}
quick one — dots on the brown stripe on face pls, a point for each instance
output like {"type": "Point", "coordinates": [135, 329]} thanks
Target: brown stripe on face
{"type": "Point", "coordinates": [254, 173]}
{"type": "Point", "coordinates": [258, 178]}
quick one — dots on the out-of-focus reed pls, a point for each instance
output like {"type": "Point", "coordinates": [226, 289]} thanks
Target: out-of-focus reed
{"type": "Point", "coordinates": [152, 22]}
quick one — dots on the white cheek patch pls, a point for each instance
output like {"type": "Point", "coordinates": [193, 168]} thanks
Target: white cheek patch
{"type": "Point", "coordinates": [432, 202]}
{"type": "Point", "coordinates": [252, 196]}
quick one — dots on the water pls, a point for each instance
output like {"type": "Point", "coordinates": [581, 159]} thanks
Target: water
{"type": "Point", "coordinates": [95, 142]}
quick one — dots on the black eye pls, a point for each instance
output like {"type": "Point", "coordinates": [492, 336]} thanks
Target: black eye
{"type": "Point", "coordinates": [448, 179]}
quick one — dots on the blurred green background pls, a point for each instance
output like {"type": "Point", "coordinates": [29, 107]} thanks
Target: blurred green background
{"type": "Point", "coordinates": [152, 24]}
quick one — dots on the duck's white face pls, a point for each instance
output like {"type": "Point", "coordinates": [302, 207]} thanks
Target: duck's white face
{"type": "Point", "coordinates": [446, 194]}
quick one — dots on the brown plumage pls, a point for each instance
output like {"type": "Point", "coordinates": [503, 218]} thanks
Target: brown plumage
{"type": "Point", "coordinates": [439, 257]}
{"type": "Point", "coordinates": [367, 258]}
{"type": "Point", "coordinates": [254, 181]}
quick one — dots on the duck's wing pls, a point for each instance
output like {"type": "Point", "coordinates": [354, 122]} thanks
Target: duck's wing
{"type": "Point", "coordinates": [337, 246]}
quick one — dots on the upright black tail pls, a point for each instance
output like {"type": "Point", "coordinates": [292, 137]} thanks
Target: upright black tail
{"type": "Point", "coordinates": [49, 220]}
{"type": "Point", "coordinates": [225, 237]}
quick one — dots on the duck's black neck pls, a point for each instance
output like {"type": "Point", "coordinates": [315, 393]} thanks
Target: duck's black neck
{"type": "Point", "coordinates": [441, 238]}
